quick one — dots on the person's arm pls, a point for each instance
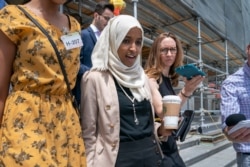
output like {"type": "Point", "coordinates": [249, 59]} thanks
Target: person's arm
{"type": "Point", "coordinates": [241, 135]}
{"type": "Point", "coordinates": [189, 88]}
{"type": "Point", "coordinates": [7, 54]}
{"type": "Point", "coordinates": [77, 89]}
{"type": "Point", "coordinates": [230, 105]}
{"type": "Point", "coordinates": [89, 113]}
{"type": "Point", "coordinates": [156, 97]}
{"type": "Point", "coordinates": [157, 104]}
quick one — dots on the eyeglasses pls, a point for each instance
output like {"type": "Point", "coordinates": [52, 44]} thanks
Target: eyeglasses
{"type": "Point", "coordinates": [165, 50]}
{"type": "Point", "coordinates": [107, 18]}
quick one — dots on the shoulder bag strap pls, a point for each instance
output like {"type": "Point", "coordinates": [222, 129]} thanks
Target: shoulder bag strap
{"type": "Point", "coordinates": [56, 51]}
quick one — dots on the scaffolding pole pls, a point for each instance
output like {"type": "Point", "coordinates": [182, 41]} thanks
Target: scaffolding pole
{"type": "Point", "coordinates": [135, 7]}
{"type": "Point", "coordinates": [80, 8]}
{"type": "Point", "coordinates": [226, 52]}
{"type": "Point", "coordinates": [200, 63]}
{"type": "Point", "coordinates": [206, 65]}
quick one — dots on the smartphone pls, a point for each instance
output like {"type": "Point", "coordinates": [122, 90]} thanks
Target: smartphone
{"type": "Point", "coordinates": [184, 127]}
{"type": "Point", "coordinates": [189, 71]}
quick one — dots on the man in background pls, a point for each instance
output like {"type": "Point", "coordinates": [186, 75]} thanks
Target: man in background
{"type": "Point", "coordinates": [102, 14]}
{"type": "Point", "coordinates": [235, 99]}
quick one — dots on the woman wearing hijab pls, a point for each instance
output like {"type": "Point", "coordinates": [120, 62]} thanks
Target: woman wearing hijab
{"type": "Point", "coordinates": [117, 113]}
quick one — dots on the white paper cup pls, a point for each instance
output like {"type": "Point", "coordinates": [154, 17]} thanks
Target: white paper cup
{"type": "Point", "coordinates": [171, 110]}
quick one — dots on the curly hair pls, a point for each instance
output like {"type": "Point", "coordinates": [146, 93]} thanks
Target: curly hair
{"type": "Point", "coordinates": [154, 65]}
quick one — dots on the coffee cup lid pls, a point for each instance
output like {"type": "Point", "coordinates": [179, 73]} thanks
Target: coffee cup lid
{"type": "Point", "coordinates": [171, 98]}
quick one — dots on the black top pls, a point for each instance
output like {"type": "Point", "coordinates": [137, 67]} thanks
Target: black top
{"type": "Point", "coordinates": [165, 88]}
{"type": "Point", "coordinates": [129, 131]}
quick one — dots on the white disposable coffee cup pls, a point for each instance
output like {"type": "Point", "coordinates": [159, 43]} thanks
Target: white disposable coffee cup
{"type": "Point", "coordinates": [171, 110]}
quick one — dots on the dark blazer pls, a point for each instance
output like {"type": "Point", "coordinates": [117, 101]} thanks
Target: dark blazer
{"type": "Point", "coordinates": [77, 89]}
{"type": "Point", "coordinates": [89, 40]}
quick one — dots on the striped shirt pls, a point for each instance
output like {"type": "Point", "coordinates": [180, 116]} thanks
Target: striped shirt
{"type": "Point", "coordinates": [235, 98]}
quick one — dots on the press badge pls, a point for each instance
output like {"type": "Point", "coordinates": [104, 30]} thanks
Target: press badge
{"type": "Point", "coordinates": [72, 40]}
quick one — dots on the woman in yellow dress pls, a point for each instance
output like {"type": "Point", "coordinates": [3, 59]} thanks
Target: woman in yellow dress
{"type": "Point", "coordinates": [39, 125]}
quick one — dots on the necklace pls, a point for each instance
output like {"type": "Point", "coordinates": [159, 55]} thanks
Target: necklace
{"type": "Point", "coordinates": [65, 30]}
{"type": "Point", "coordinates": [133, 104]}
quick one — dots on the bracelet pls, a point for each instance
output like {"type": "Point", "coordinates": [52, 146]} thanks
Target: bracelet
{"type": "Point", "coordinates": [158, 120]}
{"type": "Point", "coordinates": [185, 95]}
{"type": "Point", "coordinates": [163, 138]}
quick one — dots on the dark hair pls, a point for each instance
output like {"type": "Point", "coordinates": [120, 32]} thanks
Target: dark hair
{"type": "Point", "coordinates": [101, 6]}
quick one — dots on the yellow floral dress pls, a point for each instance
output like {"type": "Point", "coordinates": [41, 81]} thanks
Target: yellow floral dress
{"type": "Point", "coordinates": [40, 127]}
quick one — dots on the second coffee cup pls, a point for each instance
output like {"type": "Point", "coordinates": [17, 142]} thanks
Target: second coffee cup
{"type": "Point", "coordinates": [171, 110]}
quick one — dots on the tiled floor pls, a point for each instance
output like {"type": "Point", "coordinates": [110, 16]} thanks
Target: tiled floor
{"type": "Point", "coordinates": [204, 154]}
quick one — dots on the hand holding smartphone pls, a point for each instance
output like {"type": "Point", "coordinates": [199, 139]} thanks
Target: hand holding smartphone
{"type": "Point", "coordinates": [184, 126]}
{"type": "Point", "coordinates": [189, 71]}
